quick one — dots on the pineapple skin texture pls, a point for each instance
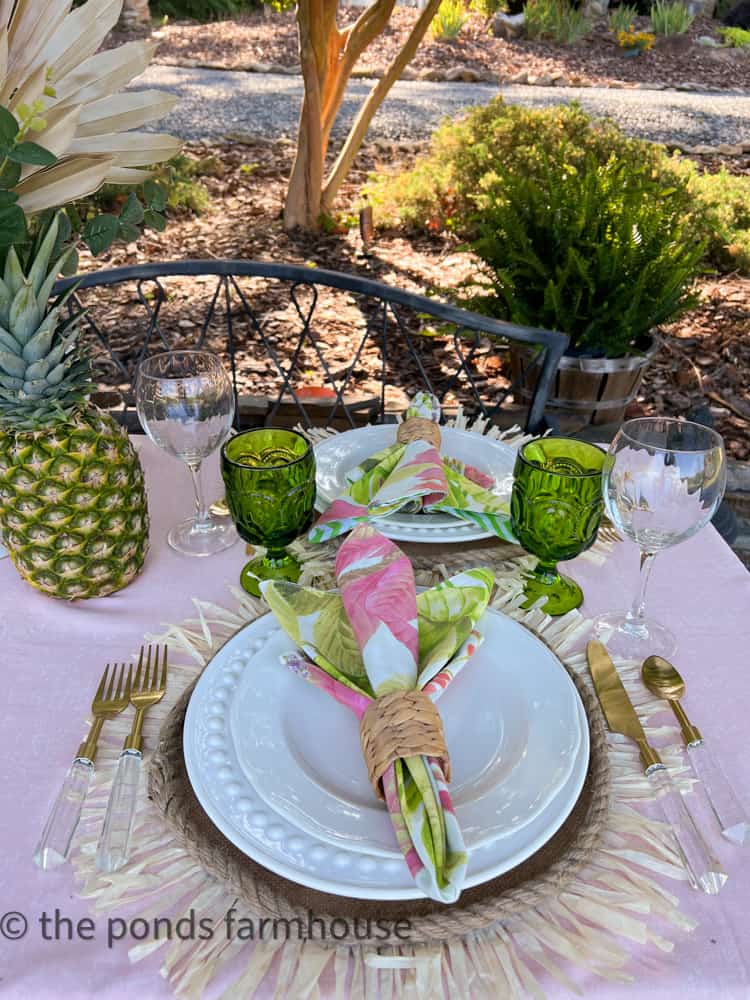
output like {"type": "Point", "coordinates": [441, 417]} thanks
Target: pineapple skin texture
{"type": "Point", "coordinates": [73, 510]}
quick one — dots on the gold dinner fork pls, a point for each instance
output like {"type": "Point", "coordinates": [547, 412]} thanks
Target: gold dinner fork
{"type": "Point", "coordinates": [148, 688]}
{"type": "Point", "coordinates": [608, 532]}
{"type": "Point", "coordinates": [111, 698]}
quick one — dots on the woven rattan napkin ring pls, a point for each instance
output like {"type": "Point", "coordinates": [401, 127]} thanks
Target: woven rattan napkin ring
{"type": "Point", "coordinates": [401, 724]}
{"type": "Point", "coordinates": [418, 429]}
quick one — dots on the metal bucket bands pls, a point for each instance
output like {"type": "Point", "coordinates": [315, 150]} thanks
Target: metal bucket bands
{"type": "Point", "coordinates": [585, 390]}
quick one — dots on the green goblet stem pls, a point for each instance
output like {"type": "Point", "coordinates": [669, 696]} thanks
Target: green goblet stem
{"type": "Point", "coordinates": [278, 565]}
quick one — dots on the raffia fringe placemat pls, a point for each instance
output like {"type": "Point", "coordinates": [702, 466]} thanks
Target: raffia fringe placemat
{"type": "Point", "coordinates": [615, 894]}
{"type": "Point", "coordinates": [576, 912]}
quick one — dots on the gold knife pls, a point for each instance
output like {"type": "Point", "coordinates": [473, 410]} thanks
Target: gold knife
{"type": "Point", "coordinates": [704, 870]}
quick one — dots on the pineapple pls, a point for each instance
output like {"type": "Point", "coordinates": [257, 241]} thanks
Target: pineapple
{"type": "Point", "coordinates": [73, 511]}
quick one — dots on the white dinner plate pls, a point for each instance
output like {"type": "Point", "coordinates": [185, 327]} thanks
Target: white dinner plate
{"type": "Point", "coordinates": [511, 726]}
{"type": "Point", "coordinates": [341, 452]}
{"type": "Point", "coordinates": [234, 806]}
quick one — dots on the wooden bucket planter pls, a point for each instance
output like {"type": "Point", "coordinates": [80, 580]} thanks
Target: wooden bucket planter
{"type": "Point", "coordinates": [586, 390]}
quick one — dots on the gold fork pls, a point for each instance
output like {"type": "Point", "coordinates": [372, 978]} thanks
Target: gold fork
{"type": "Point", "coordinates": [111, 698]}
{"type": "Point", "coordinates": [608, 532]}
{"type": "Point", "coordinates": [148, 688]}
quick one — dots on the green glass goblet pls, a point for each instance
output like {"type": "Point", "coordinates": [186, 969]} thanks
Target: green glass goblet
{"type": "Point", "coordinates": [269, 477]}
{"type": "Point", "coordinates": [556, 507]}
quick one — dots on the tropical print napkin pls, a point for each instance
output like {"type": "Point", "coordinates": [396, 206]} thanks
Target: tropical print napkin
{"type": "Point", "coordinates": [376, 636]}
{"type": "Point", "coordinates": [413, 477]}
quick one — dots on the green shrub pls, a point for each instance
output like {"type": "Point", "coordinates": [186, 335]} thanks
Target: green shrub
{"type": "Point", "coordinates": [670, 17]}
{"type": "Point", "coordinates": [445, 188]}
{"type": "Point", "coordinates": [448, 188]}
{"type": "Point", "coordinates": [450, 18]}
{"type": "Point", "coordinates": [622, 17]}
{"type": "Point", "coordinates": [720, 214]}
{"type": "Point", "coordinates": [202, 10]}
{"type": "Point", "coordinates": [601, 251]}
{"type": "Point", "coordinates": [556, 20]}
{"type": "Point", "coordinates": [736, 38]}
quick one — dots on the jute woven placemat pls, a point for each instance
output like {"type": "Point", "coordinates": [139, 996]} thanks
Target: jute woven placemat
{"type": "Point", "coordinates": [524, 887]}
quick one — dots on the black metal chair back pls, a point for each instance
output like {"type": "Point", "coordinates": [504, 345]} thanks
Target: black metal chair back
{"type": "Point", "coordinates": [314, 346]}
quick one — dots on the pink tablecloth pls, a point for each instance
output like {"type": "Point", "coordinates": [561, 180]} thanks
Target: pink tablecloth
{"type": "Point", "coordinates": [53, 654]}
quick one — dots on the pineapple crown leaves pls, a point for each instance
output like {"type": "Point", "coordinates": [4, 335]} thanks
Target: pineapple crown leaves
{"type": "Point", "coordinates": [43, 376]}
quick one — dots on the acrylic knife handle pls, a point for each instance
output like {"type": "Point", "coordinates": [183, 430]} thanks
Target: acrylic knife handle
{"type": "Point", "coordinates": [114, 844]}
{"type": "Point", "coordinates": [54, 844]}
{"type": "Point", "coordinates": [703, 868]}
{"type": "Point", "coordinates": [733, 820]}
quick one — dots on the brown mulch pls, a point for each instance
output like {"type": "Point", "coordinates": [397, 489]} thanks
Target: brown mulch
{"type": "Point", "coordinates": [272, 38]}
{"type": "Point", "coordinates": [706, 359]}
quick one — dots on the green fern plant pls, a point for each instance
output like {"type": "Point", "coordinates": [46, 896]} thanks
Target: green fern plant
{"type": "Point", "coordinates": [600, 251]}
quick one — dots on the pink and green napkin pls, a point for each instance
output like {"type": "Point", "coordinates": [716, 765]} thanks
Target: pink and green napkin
{"type": "Point", "coordinates": [413, 477]}
{"type": "Point", "coordinates": [374, 636]}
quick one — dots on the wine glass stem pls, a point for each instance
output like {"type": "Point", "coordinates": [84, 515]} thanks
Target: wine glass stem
{"type": "Point", "coordinates": [638, 609]}
{"type": "Point", "coordinates": [202, 515]}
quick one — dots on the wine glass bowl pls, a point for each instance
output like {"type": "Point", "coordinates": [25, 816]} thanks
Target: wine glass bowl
{"type": "Point", "coordinates": [556, 509]}
{"type": "Point", "coordinates": [663, 481]}
{"type": "Point", "coordinates": [269, 478]}
{"type": "Point", "coordinates": [185, 404]}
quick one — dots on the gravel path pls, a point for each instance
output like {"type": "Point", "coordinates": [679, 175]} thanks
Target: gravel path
{"type": "Point", "coordinates": [215, 102]}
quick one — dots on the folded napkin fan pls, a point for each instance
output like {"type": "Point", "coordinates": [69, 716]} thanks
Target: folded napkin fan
{"type": "Point", "coordinates": [410, 475]}
{"type": "Point", "coordinates": [373, 641]}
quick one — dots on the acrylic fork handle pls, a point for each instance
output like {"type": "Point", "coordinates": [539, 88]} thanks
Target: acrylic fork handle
{"type": "Point", "coordinates": [54, 844]}
{"type": "Point", "coordinates": [733, 820]}
{"type": "Point", "coordinates": [114, 843]}
{"type": "Point", "coordinates": [703, 868]}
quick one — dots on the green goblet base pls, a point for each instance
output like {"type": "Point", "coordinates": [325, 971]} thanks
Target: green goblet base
{"type": "Point", "coordinates": [280, 566]}
{"type": "Point", "coordinates": [561, 593]}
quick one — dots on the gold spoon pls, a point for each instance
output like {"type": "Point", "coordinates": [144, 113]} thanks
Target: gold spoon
{"type": "Point", "coordinates": [665, 681]}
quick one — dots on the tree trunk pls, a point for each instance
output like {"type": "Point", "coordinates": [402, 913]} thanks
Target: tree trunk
{"type": "Point", "coordinates": [327, 57]}
{"type": "Point", "coordinates": [134, 12]}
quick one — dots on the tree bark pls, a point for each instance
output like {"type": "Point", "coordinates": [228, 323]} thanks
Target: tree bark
{"type": "Point", "coordinates": [327, 57]}
{"type": "Point", "coordinates": [134, 12]}
{"type": "Point", "coordinates": [374, 99]}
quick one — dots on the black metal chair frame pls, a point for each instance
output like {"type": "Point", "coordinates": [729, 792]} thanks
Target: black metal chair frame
{"type": "Point", "coordinates": [469, 326]}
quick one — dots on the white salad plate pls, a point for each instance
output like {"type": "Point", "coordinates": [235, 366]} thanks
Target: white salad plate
{"type": "Point", "coordinates": [234, 805]}
{"type": "Point", "coordinates": [335, 456]}
{"type": "Point", "coordinates": [511, 726]}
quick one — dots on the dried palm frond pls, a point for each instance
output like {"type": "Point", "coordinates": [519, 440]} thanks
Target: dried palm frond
{"type": "Point", "coordinates": [48, 54]}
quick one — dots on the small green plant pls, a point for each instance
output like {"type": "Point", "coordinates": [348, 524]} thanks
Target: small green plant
{"type": "Point", "coordinates": [621, 18]}
{"type": "Point", "coordinates": [670, 17]}
{"type": "Point", "coordinates": [736, 38]}
{"type": "Point", "coordinates": [488, 7]}
{"type": "Point", "coordinates": [177, 179]}
{"type": "Point", "coordinates": [556, 20]}
{"type": "Point", "coordinates": [449, 20]}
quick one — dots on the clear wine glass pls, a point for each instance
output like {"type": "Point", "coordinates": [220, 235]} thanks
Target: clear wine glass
{"type": "Point", "coordinates": [663, 479]}
{"type": "Point", "coordinates": [185, 403]}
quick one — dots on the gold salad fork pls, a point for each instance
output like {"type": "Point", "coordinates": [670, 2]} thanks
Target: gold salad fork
{"type": "Point", "coordinates": [148, 688]}
{"type": "Point", "coordinates": [111, 698]}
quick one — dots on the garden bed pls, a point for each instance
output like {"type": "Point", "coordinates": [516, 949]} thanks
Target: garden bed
{"type": "Point", "coordinates": [269, 42]}
{"type": "Point", "coordinates": [706, 360]}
